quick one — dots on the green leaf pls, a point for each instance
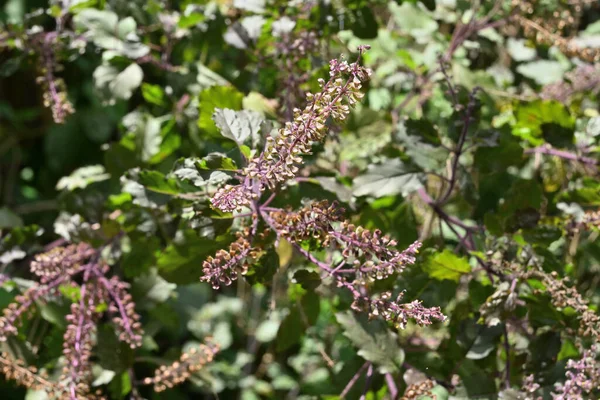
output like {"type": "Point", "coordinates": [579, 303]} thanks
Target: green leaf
{"type": "Point", "coordinates": [103, 377]}
{"type": "Point", "coordinates": [309, 280]}
{"type": "Point", "coordinates": [216, 161]}
{"type": "Point", "coordinates": [54, 313]}
{"type": "Point", "coordinates": [244, 32]}
{"type": "Point", "coordinates": [190, 170]}
{"type": "Point", "coordinates": [143, 133]}
{"type": "Point", "coordinates": [543, 72]}
{"type": "Point", "coordinates": [290, 331]}
{"type": "Point", "coordinates": [476, 380]}
{"type": "Point", "coordinates": [363, 23]}
{"type": "Point", "coordinates": [118, 84]}
{"type": "Point", "coordinates": [238, 125]}
{"type": "Point", "coordinates": [256, 6]}
{"type": "Point", "coordinates": [138, 254]}
{"type": "Point", "coordinates": [439, 393]}
{"type": "Point", "coordinates": [387, 179]}
{"type": "Point", "coordinates": [311, 307]}
{"type": "Point", "coordinates": [485, 343]}
{"type": "Point", "coordinates": [106, 31]}
{"type": "Point", "coordinates": [8, 219]}
{"type": "Point", "coordinates": [532, 116]}
{"type": "Point", "coordinates": [145, 197]}
{"type": "Point", "coordinates": [153, 94]}
{"type": "Point", "coordinates": [267, 330]}
{"type": "Point", "coordinates": [10, 66]}
{"type": "Point", "coordinates": [413, 20]}
{"type": "Point", "coordinates": [375, 342]}
{"type": "Point", "coordinates": [157, 182]}
{"type": "Point", "coordinates": [82, 177]}
{"type": "Point", "coordinates": [519, 51]}
{"type": "Point", "coordinates": [36, 395]}
{"type": "Point", "coordinates": [189, 21]}
{"type": "Point", "coordinates": [446, 265]}
{"type": "Point", "coordinates": [421, 143]}
{"type": "Point", "coordinates": [586, 192]}
{"type": "Point", "coordinates": [217, 97]}
{"type": "Point", "coordinates": [567, 350]}
{"type": "Point", "coordinates": [120, 386]}
{"type": "Point", "coordinates": [263, 270]}
{"type": "Point", "coordinates": [181, 262]}
{"type": "Point", "coordinates": [153, 287]}
{"type": "Point", "coordinates": [113, 354]}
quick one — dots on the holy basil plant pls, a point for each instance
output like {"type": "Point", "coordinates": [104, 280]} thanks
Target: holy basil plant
{"type": "Point", "coordinates": [269, 199]}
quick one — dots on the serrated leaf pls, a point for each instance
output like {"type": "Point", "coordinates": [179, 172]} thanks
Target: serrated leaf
{"type": "Point", "coordinates": [217, 97]}
{"type": "Point", "coordinates": [106, 31]}
{"type": "Point", "coordinates": [245, 32]}
{"type": "Point", "coordinates": [153, 287]}
{"type": "Point", "coordinates": [191, 170]}
{"type": "Point", "coordinates": [485, 343]}
{"type": "Point", "coordinates": [238, 125]}
{"type": "Point", "coordinates": [446, 265]}
{"type": "Point", "coordinates": [422, 144]}
{"type": "Point", "coordinates": [376, 343]}
{"type": "Point", "coordinates": [387, 179]}
{"type": "Point", "coordinates": [157, 182]}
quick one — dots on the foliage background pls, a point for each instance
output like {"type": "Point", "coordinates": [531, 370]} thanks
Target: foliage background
{"type": "Point", "coordinates": [487, 155]}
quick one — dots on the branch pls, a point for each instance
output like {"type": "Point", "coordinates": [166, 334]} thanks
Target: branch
{"type": "Point", "coordinates": [354, 379]}
{"type": "Point", "coordinates": [547, 149]}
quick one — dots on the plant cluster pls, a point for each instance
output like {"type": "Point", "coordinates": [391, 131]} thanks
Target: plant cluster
{"type": "Point", "coordinates": [297, 199]}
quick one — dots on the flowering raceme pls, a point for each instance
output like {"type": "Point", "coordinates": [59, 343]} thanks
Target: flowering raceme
{"type": "Point", "coordinates": [189, 362]}
{"type": "Point", "coordinates": [367, 256]}
{"type": "Point", "coordinates": [225, 266]}
{"type": "Point", "coordinates": [65, 267]}
{"type": "Point", "coordinates": [282, 156]}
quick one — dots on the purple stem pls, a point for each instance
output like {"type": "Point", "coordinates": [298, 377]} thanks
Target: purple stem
{"type": "Point", "coordinates": [507, 351]}
{"type": "Point", "coordinates": [389, 379]}
{"type": "Point", "coordinates": [269, 200]}
{"type": "Point", "coordinates": [48, 58]}
{"type": "Point", "coordinates": [461, 142]}
{"type": "Point", "coordinates": [353, 380]}
{"type": "Point", "coordinates": [117, 300]}
{"type": "Point", "coordinates": [367, 382]}
{"type": "Point", "coordinates": [78, 333]}
{"type": "Point", "coordinates": [546, 149]}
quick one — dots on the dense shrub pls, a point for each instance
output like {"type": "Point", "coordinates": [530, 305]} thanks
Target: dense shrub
{"type": "Point", "coordinates": [299, 199]}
